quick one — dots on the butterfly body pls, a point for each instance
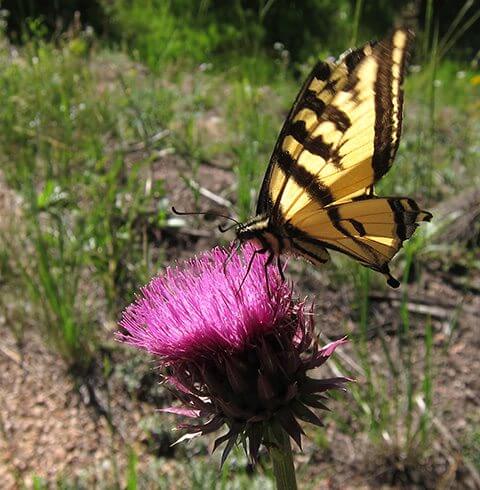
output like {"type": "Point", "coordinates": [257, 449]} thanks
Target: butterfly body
{"type": "Point", "coordinates": [265, 234]}
{"type": "Point", "coordinates": [339, 139]}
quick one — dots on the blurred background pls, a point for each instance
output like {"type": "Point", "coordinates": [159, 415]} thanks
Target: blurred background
{"type": "Point", "coordinates": [111, 112]}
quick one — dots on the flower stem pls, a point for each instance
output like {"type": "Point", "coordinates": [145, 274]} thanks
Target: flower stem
{"type": "Point", "coordinates": [282, 459]}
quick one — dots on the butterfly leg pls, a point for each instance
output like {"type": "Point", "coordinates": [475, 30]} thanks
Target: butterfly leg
{"type": "Point", "coordinates": [280, 268]}
{"type": "Point", "coordinates": [269, 260]}
{"type": "Point", "coordinates": [252, 258]}
{"type": "Point", "coordinates": [235, 247]}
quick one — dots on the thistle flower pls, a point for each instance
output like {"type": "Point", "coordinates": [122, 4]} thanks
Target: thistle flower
{"type": "Point", "coordinates": [239, 358]}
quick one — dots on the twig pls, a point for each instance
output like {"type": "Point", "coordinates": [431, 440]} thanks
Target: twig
{"type": "Point", "coordinates": [459, 283]}
{"type": "Point", "coordinates": [142, 145]}
{"type": "Point", "coordinates": [426, 306]}
{"type": "Point", "coordinates": [187, 155]}
{"type": "Point", "coordinates": [164, 152]}
{"type": "Point", "coordinates": [209, 163]}
{"type": "Point", "coordinates": [31, 133]}
{"type": "Point", "coordinates": [428, 310]}
{"type": "Point", "coordinates": [393, 296]}
{"type": "Point", "coordinates": [10, 354]}
{"type": "Point", "coordinates": [221, 201]}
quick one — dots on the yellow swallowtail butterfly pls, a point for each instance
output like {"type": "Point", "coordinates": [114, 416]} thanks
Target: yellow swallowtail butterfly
{"type": "Point", "coordinates": [339, 139]}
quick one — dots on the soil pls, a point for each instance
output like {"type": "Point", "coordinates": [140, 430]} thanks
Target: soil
{"type": "Point", "coordinates": [51, 426]}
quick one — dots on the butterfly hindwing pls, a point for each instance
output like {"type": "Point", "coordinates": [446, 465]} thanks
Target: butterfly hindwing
{"type": "Point", "coordinates": [370, 230]}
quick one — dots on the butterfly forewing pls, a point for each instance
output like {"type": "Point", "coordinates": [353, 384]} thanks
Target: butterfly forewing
{"type": "Point", "coordinates": [325, 80]}
{"type": "Point", "coordinates": [353, 141]}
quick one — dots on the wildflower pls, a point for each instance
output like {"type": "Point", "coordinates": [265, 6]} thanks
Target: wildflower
{"type": "Point", "coordinates": [239, 358]}
{"type": "Point", "coordinates": [475, 80]}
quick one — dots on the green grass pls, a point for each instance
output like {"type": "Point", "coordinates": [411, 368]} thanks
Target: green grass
{"type": "Point", "coordinates": [65, 151]}
{"type": "Point", "coordinates": [200, 474]}
{"type": "Point", "coordinates": [393, 393]}
{"type": "Point", "coordinates": [82, 125]}
{"type": "Point", "coordinates": [254, 127]}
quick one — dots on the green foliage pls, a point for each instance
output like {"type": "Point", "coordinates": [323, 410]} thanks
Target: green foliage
{"type": "Point", "coordinates": [81, 128]}
{"type": "Point", "coordinates": [296, 26]}
{"type": "Point", "coordinates": [196, 31]}
{"type": "Point", "coordinates": [254, 128]}
{"type": "Point", "coordinates": [443, 16]}
{"type": "Point", "coordinates": [394, 396]}
{"type": "Point", "coordinates": [56, 16]}
{"type": "Point", "coordinates": [153, 29]}
{"type": "Point", "coordinates": [132, 477]}
{"type": "Point", "coordinates": [199, 29]}
{"type": "Point", "coordinates": [85, 212]}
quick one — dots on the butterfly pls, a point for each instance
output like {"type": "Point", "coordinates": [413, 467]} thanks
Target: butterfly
{"type": "Point", "coordinates": [339, 139]}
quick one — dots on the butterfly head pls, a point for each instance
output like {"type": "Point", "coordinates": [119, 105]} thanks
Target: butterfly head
{"type": "Point", "coordinates": [252, 229]}
{"type": "Point", "coordinates": [263, 234]}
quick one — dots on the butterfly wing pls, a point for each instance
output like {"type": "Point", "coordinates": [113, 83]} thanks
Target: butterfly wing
{"type": "Point", "coordinates": [325, 80]}
{"type": "Point", "coordinates": [343, 150]}
{"type": "Point", "coordinates": [339, 139]}
{"type": "Point", "coordinates": [370, 230]}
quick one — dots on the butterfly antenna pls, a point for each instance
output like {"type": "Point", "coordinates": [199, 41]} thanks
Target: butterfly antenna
{"type": "Point", "coordinates": [224, 229]}
{"type": "Point", "coordinates": [204, 213]}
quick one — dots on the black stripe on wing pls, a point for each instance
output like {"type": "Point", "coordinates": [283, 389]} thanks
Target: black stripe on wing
{"type": "Point", "coordinates": [389, 99]}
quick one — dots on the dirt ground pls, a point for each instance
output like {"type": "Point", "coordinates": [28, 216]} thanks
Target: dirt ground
{"type": "Point", "coordinates": [49, 426]}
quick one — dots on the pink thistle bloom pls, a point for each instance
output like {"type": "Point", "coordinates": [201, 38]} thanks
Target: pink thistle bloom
{"type": "Point", "coordinates": [197, 310]}
{"type": "Point", "coordinates": [234, 357]}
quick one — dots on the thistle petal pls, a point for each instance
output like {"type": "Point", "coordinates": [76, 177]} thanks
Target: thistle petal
{"type": "Point", "coordinates": [314, 401]}
{"type": "Point", "coordinates": [231, 442]}
{"type": "Point", "coordinates": [220, 440]}
{"type": "Point", "coordinates": [186, 437]}
{"type": "Point", "coordinates": [173, 321]}
{"type": "Point", "coordinates": [186, 412]}
{"type": "Point", "coordinates": [325, 352]}
{"type": "Point", "coordinates": [311, 385]}
{"type": "Point", "coordinates": [255, 434]}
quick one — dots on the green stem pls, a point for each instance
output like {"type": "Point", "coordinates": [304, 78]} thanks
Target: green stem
{"type": "Point", "coordinates": [356, 21]}
{"type": "Point", "coordinates": [282, 459]}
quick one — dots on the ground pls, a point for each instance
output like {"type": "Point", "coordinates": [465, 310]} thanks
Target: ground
{"type": "Point", "coordinates": [52, 427]}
